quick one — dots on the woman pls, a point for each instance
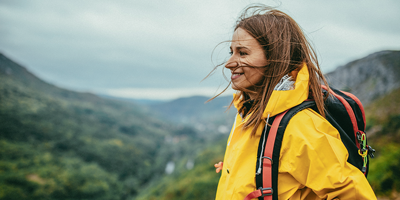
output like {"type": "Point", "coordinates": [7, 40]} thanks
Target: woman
{"type": "Point", "coordinates": [274, 69]}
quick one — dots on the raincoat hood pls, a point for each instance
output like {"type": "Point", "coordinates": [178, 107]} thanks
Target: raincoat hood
{"type": "Point", "coordinates": [282, 100]}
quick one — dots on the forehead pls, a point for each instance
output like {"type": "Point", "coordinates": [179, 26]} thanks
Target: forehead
{"type": "Point", "coordinates": [243, 38]}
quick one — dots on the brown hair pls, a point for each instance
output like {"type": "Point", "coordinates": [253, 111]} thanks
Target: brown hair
{"type": "Point", "coordinates": [286, 49]}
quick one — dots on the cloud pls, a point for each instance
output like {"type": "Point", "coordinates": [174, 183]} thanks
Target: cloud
{"type": "Point", "coordinates": [92, 44]}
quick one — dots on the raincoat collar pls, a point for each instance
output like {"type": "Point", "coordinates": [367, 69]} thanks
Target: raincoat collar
{"type": "Point", "coordinates": [285, 99]}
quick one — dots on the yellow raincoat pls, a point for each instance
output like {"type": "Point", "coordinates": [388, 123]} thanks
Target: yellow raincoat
{"type": "Point", "coordinates": [313, 160]}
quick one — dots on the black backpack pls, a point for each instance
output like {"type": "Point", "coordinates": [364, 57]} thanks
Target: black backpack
{"type": "Point", "coordinates": [343, 110]}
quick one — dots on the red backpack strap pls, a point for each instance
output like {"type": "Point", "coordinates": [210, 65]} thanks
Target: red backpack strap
{"type": "Point", "coordinates": [359, 105]}
{"type": "Point", "coordinates": [266, 191]}
{"type": "Point", "coordinates": [349, 111]}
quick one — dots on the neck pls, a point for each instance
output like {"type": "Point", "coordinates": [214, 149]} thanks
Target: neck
{"type": "Point", "coordinates": [253, 93]}
{"type": "Point", "coordinates": [252, 96]}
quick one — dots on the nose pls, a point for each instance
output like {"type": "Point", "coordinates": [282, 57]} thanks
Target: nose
{"type": "Point", "coordinates": [232, 63]}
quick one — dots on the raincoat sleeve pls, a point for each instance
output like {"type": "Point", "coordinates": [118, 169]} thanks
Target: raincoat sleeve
{"type": "Point", "coordinates": [314, 155]}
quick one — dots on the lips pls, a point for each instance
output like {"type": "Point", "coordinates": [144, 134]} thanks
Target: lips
{"type": "Point", "coordinates": [236, 75]}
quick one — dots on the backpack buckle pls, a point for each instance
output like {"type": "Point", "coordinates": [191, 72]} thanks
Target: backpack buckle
{"type": "Point", "coordinates": [371, 151]}
{"type": "Point", "coordinates": [359, 137]}
{"type": "Point", "coordinates": [266, 191]}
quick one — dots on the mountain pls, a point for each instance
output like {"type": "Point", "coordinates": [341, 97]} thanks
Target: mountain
{"type": "Point", "coordinates": [194, 111]}
{"type": "Point", "coordinates": [60, 144]}
{"type": "Point", "coordinates": [135, 101]}
{"type": "Point", "coordinates": [369, 78]}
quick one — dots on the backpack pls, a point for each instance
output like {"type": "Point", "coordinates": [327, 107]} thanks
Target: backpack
{"type": "Point", "coordinates": [343, 110]}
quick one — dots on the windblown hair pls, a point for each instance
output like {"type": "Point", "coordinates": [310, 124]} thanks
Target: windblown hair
{"type": "Point", "coordinates": [286, 49]}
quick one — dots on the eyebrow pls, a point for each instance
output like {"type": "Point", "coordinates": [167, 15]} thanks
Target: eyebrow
{"type": "Point", "coordinates": [239, 47]}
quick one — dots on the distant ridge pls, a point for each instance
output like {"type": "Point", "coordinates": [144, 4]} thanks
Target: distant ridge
{"type": "Point", "coordinates": [193, 110]}
{"type": "Point", "coordinates": [11, 69]}
{"type": "Point", "coordinates": [135, 101]}
{"type": "Point", "coordinates": [370, 77]}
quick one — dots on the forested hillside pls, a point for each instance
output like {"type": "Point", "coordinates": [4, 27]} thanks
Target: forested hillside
{"type": "Point", "coordinates": [59, 144]}
{"type": "Point", "coordinates": [383, 123]}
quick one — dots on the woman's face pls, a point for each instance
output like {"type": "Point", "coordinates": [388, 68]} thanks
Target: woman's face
{"type": "Point", "coordinates": [247, 61]}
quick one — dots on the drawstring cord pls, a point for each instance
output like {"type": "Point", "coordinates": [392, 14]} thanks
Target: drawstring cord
{"type": "Point", "coordinates": [262, 147]}
{"type": "Point", "coordinates": [280, 86]}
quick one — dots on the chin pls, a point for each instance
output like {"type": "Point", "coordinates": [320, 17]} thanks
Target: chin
{"type": "Point", "coordinates": [240, 86]}
{"type": "Point", "coordinates": [236, 87]}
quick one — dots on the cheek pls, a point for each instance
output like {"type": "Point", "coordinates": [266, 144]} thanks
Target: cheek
{"type": "Point", "coordinates": [259, 59]}
{"type": "Point", "coordinates": [259, 77]}
{"type": "Point", "coordinates": [255, 76]}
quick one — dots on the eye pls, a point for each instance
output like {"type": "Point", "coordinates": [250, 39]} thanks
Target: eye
{"type": "Point", "coordinates": [242, 53]}
{"type": "Point", "coordinates": [231, 53]}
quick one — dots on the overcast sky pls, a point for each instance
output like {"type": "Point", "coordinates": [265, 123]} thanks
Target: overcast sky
{"type": "Point", "coordinates": [160, 49]}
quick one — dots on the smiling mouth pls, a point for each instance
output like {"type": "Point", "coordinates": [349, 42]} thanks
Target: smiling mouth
{"type": "Point", "coordinates": [236, 75]}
